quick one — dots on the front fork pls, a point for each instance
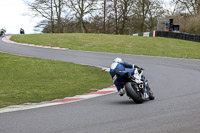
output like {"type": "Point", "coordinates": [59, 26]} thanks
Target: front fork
{"type": "Point", "coordinates": [145, 85]}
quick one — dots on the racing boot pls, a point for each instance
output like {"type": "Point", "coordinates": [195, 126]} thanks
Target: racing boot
{"type": "Point", "coordinates": [121, 92]}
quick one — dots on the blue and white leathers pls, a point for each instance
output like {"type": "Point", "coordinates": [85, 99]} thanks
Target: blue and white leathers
{"type": "Point", "coordinates": [118, 70]}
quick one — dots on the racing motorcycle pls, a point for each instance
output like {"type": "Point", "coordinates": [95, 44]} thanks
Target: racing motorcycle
{"type": "Point", "coordinates": [136, 86]}
{"type": "Point", "coordinates": [2, 32]}
{"type": "Point", "coordinates": [22, 31]}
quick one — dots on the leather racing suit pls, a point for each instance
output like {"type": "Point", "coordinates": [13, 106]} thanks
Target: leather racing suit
{"type": "Point", "coordinates": [118, 70]}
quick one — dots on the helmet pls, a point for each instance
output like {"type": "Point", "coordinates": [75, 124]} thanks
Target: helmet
{"type": "Point", "coordinates": [117, 60]}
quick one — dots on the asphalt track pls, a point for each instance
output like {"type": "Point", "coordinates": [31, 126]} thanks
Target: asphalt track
{"type": "Point", "coordinates": [176, 109]}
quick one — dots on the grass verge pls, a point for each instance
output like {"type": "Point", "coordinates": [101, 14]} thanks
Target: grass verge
{"type": "Point", "coordinates": [24, 79]}
{"type": "Point", "coordinates": [158, 46]}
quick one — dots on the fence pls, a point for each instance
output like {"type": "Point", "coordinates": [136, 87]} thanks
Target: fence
{"type": "Point", "coordinates": [178, 35]}
{"type": "Point", "coordinates": [146, 34]}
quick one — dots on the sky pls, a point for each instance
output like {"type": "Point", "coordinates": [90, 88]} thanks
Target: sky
{"type": "Point", "coordinates": [14, 14]}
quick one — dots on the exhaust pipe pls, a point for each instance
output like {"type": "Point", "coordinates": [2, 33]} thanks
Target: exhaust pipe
{"type": "Point", "coordinates": [141, 86]}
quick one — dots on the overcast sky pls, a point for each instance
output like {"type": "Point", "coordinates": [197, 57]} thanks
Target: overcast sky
{"type": "Point", "coordinates": [12, 17]}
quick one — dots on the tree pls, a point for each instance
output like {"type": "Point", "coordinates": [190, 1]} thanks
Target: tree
{"type": "Point", "coordinates": [82, 8]}
{"type": "Point", "coordinates": [186, 13]}
{"type": "Point", "coordinates": [50, 10]}
{"type": "Point", "coordinates": [58, 4]}
{"type": "Point", "coordinates": [191, 6]}
{"type": "Point", "coordinates": [121, 9]}
{"type": "Point", "coordinates": [126, 6]}
{"type": "Point", "coordinates": [104, 15]}
{"type": "Point", "coordinates": [193, 24]}
{"type": "Point", "coordinates": [155, 11]}
{"type": "Point", "coordinates": [117, 17]}
{"type": "Point", "coordinates": [145, 12]}
{"type": "Point", "coordinates": [141, 9]}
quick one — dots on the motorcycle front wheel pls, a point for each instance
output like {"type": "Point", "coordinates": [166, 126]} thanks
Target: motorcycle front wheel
{"type": "Point", "coordinates": [131, 92]}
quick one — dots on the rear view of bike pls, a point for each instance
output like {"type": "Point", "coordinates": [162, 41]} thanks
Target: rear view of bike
{"type": "Point", "coordinates": [138, 89]}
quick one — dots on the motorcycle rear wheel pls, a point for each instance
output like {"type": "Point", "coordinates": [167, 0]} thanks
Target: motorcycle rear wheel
{"type": "Point", "coordinates": [132, 93]}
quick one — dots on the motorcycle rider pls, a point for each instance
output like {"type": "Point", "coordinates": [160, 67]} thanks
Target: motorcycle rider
{"type": "Point", "coordinates": [22, 31]}
{"type": "Point", "coordinates": [118, 70]}
{"type": "Point", "coordinates": [2, 32]}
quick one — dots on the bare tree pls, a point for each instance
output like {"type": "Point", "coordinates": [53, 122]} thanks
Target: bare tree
{"type": "Point", "coordinates": [104, 15]}
{"type": "Point", "coordinates": [52, 17]}
{"type": "Point", "coordinates": [155, 11]}
{"type": "Point", "coordinates": [121, 16]}
{"type": "Point", "coordinates": [51, 10]}
{"type": "Point", "coordinates": [58, 10]}
{"type": "Point", "coordinates": [126, 6]}
{"type": "Point", "coordinates": [187, 14]}
{"type": "Point", "coordinates": [191, 6]}
{"type": "Point", "coordinates": [145, 12]}
{"type": "Point", "coordinates": [82, 8]}
{"type": "Point", "coordinates": [104, 12]}
{"type": "Point", "coordinates": [120, 9]}
{"type": "Point", "coordinates": [141, 9]}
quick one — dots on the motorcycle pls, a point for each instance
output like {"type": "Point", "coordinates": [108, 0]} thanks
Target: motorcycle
{"type": "Point", "coordinates": [2, 32]}
{"type": "Point", "coordinates": [136, 86]}
{"type": "Point", "coordinates": [22, 31]}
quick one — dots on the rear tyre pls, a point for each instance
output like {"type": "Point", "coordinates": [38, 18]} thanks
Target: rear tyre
{"type": "Point", "coordinates": [132, 93]}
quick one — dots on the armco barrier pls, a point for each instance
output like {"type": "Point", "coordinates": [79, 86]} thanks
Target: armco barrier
{"type": "Point", "coordinates": [178, 35]}
{"type": "Point", "coordinates": [145, 34]}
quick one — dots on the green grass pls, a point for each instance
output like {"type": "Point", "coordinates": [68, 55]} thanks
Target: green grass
{"type": "Point", "coordinates": [158, 46]}
{"type": "Point", "coordinates": [24, 79]}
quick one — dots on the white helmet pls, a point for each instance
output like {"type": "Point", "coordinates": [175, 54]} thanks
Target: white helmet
{"type": "Point", "coordinates": [117, 60]}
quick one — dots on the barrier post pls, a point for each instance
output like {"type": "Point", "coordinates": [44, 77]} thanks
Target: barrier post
{"type": "Point", "coordinates": [154, 33]}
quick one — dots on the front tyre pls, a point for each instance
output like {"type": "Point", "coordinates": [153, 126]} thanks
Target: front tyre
{"type": "Point", "coordinates": [151, 96]}
{"type": "Point", "coordinates": [132, 93]}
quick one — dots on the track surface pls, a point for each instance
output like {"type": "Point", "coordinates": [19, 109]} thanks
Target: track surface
{"type": "Point", "coordinates": [175, 82]}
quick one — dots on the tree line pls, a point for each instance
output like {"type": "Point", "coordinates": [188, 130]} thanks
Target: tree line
{"type": "Point", "coordinates": [112, 16]}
